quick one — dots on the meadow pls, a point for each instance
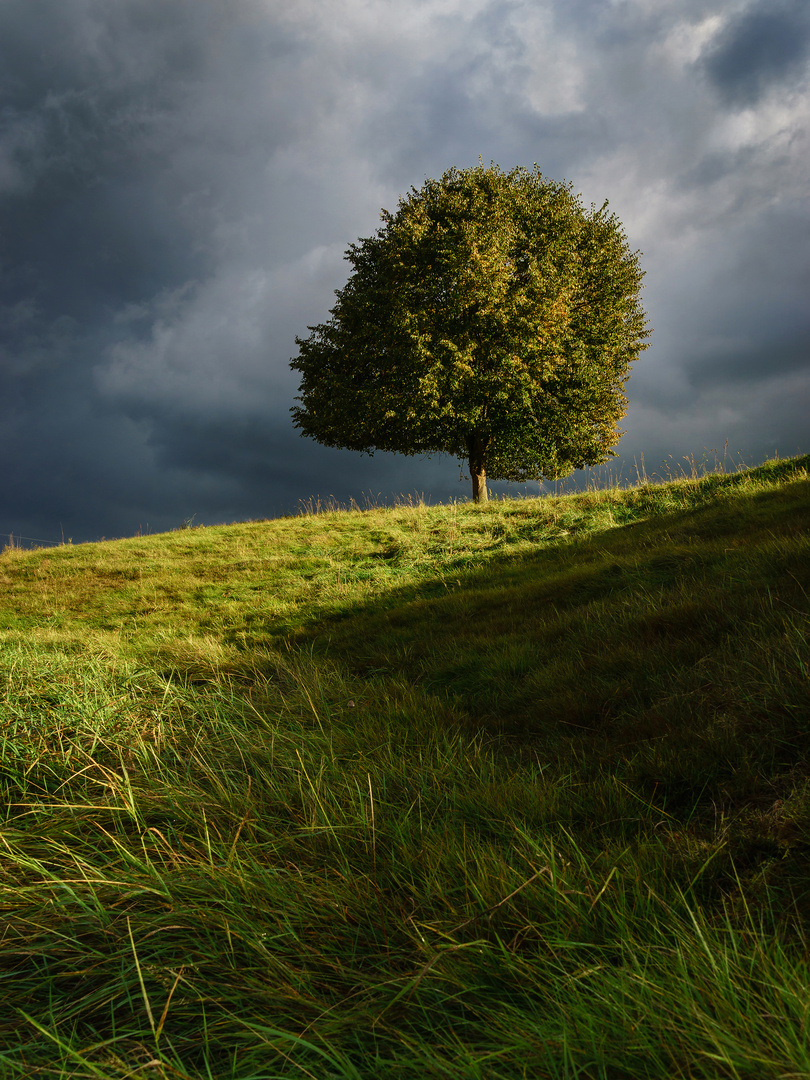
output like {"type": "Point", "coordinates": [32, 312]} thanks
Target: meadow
{"type": "Point", "coordinates": [483, 792]}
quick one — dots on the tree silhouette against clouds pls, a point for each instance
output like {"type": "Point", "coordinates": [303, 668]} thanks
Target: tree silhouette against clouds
{"type": "Point", "coordinates": [492, 317]}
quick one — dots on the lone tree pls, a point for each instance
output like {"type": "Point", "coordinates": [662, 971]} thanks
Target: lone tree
{"type": "Point", "coordinates": [492, 318]}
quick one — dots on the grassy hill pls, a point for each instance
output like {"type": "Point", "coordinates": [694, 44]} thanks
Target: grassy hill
{"type": "Point", "coordinates": [501, 791]}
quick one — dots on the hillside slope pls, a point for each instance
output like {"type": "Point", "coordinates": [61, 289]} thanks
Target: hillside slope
{"type": "Point", "coordinates": [483, 791]}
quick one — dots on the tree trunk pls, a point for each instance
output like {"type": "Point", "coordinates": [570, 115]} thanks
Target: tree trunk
{"type": "Point", "coordinates": [476, 450]}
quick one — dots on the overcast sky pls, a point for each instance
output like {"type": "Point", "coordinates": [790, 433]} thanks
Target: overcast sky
{"type": "Point", "coordinates": [180, 179]}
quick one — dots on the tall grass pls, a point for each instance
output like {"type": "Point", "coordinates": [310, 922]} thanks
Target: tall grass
{"type": "Point", "coordinates": [515, 791]}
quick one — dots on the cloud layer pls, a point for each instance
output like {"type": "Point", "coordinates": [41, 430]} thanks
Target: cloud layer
{"type": "Point", "coordinates": [179, 180]}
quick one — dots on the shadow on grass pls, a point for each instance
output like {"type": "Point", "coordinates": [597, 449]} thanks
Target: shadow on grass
{"type": "Point", "coordinates": [600, 631]}
{"type": "Point", "coordinates": [674, 650]}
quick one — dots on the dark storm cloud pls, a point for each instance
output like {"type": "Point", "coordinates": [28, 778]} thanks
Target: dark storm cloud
{"type": "Point", "coordinates": [179, 180]}
{"type": "Point", "coordinates": [762, 305]}
{"type": "Point", "coordinates": [100, 143]}
{"type": "Point", "coordinates": [117, 191]}
{"type": "Point", "coordinates": [766, 46]}
{"type": "Point", "coordinates": [255, 469]}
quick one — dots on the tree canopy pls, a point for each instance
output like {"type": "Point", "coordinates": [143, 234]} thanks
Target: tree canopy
{"type": "Point", "coordinates": [491, 317]}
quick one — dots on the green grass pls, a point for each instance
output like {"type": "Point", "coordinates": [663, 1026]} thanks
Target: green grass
{"type": "Point", "coordinates": [515, 790]}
